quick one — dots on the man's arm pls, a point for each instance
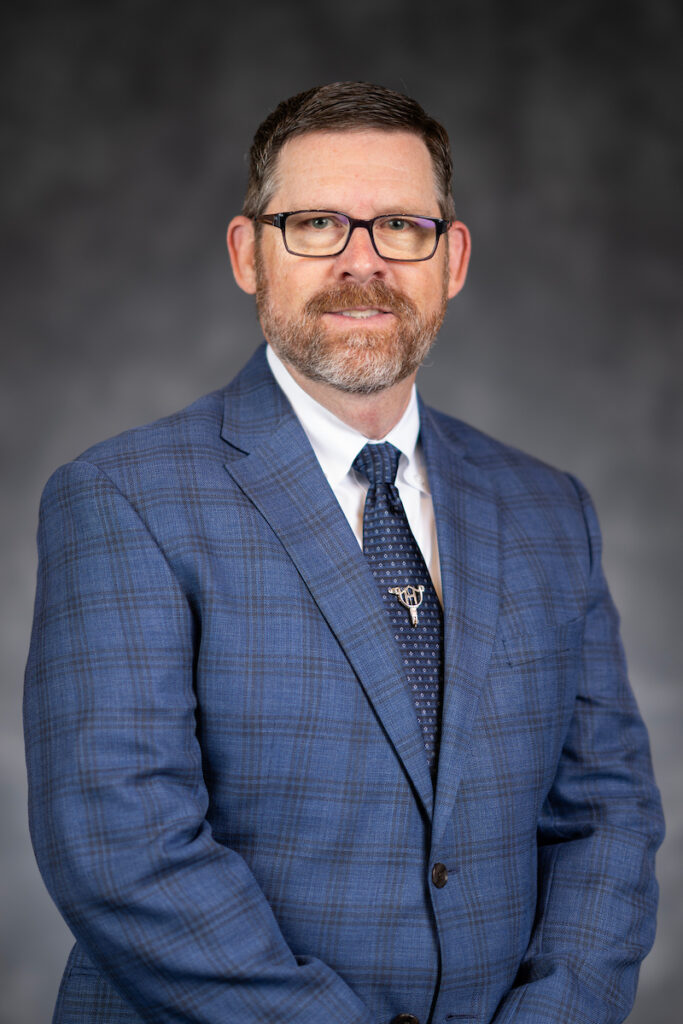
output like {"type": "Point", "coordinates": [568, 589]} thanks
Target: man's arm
{"type": "Point", "coordinates": [600, 828]}
{"type": "Point", "coordinates": [117, 797]}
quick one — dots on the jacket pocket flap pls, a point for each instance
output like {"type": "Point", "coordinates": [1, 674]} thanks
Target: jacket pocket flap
{"type": "Point", "coordinates": [522, 647]}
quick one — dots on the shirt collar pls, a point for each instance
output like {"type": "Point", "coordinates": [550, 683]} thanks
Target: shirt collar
{"type": "Point", "coordinates": [336, 444]}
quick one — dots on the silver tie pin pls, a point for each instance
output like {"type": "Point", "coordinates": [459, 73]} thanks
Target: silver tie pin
{"type": "Point", "coordinates": [410, 598]}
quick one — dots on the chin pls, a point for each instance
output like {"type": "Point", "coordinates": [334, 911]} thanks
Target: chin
{"type": "Point", "coordinates": [360, 364]}
{"type": "Point", "coordinates": [355, 361]}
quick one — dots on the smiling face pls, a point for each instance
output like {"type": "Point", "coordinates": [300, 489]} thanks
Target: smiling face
{"type": "Point", "coordinates": [354, 321]}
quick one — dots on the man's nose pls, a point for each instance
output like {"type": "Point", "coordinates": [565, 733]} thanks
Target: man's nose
{"type": "Point", "coordinates": [359, 260]}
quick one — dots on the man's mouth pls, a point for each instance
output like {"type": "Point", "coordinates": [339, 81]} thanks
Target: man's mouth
{"type": "Point", "coordinates": [358, 314]}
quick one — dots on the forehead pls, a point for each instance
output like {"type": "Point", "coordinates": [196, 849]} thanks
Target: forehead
{"type": "Point", "coordinates": [358, 172]}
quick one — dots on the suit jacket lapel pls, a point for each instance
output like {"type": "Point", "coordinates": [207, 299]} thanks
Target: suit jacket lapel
{"type": "Point", "coordinates": [466, 511]}
{"type": "Point", "coordinates": [274, 465]}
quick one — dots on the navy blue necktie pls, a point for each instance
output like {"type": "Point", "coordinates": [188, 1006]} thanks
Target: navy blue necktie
{"type": "Point", "coordinates": [406, 588]}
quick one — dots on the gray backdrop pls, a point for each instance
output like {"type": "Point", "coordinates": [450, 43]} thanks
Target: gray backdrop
{"type": "Point", "coordinates": [122, 161]}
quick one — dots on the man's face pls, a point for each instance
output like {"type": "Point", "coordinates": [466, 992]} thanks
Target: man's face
{"type": "Point", "coordinates": [354, 321]}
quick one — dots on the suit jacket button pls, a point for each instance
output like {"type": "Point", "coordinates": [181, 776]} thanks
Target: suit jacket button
{"type": "Point", "coordinates": [404, 1018]}
{"type": "Point", "coordinates": [439, 875]}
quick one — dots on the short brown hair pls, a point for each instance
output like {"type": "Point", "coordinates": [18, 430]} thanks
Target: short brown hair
{"type": "Point", "coordinates": [343, 106]}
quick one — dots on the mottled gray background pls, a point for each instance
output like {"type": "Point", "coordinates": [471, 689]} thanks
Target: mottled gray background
{"type": "Point", "coordinates": [125, 129]}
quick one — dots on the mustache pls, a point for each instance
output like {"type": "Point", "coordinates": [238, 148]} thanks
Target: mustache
{"type": "Point", "coordinates": [376, 295]}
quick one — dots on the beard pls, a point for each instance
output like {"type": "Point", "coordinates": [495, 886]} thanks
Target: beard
{"type": "Point", "coordinates": [354, 361]}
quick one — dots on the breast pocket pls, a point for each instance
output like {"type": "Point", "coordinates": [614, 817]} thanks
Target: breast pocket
{"type": "Point", "coordinates": [525, 710]}
{"type": "Point", "coordinates": [535, 674]}
{"type": "Point", "coordinates": [550, 642]}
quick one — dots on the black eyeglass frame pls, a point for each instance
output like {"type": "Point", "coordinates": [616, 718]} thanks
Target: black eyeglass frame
{"type": "Point", "coordinates": [278, 220]}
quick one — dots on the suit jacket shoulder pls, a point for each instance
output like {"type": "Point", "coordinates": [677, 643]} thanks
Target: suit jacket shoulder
{"type": "Point", "coordinates": [509, 469]}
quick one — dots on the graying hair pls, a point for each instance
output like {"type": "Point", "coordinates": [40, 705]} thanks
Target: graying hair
{"type": "Point", "coordinates": [344, 106]}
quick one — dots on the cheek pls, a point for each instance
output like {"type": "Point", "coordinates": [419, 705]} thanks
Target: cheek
{"type": "Point", "coordinates": [427, 291]}
{"type": "Point", "coordinates": [285, 294]}
{"type": "Point", "coordinates": [291, 284]}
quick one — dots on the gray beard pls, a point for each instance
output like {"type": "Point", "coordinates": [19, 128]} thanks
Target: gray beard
{"type": "Point", "coordinates": [357, 362]}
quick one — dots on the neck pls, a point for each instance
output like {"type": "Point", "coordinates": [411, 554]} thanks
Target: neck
{"type": "Point", "coordinates": [371, 415]}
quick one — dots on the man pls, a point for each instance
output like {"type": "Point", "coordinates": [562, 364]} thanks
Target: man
{"type": "Point", "coordinates": [327, 716]}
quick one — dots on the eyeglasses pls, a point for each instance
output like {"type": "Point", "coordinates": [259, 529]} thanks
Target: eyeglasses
{"type": "Point", "coordinates": [394, 236]}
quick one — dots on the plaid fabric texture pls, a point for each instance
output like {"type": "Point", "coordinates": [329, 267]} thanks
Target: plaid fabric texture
{"type": "Point", "coordinates": [229, 798]}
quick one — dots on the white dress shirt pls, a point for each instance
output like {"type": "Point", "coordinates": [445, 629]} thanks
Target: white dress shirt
{"type": "Point", "coordinates": [336, 445]}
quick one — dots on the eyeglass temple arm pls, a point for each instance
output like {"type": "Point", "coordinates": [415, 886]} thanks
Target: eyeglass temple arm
{"type": "Point", "coordinates": [276, 219]}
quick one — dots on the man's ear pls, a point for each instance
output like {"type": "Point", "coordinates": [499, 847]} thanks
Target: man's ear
{"type": "Point", "coordinates": [242, 249]}
{"type": "Point", "coordinates": [459, 246]}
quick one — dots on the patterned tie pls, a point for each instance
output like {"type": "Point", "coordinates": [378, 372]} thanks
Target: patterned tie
{"type": "Point", "coordinates": [397, 565]}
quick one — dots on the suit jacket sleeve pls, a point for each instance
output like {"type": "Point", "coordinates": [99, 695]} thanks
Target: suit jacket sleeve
{"type": "Point", "coordinates": [597, 837]}
{"type": "Point", "coordinates": [117, 798]}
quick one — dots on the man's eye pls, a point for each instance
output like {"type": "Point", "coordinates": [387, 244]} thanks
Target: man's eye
{"type": "Point", "coordinates": [397, 224]}
{"type": "Point", "coordinates": [319, 223]}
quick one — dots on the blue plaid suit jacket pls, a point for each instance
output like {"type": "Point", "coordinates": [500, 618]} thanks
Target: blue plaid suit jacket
{"type": "Point", "coordinates": [229, 796]}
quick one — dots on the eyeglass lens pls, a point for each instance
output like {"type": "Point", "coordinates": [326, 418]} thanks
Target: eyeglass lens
{"type": "Point", "coordinates": [316, 233]}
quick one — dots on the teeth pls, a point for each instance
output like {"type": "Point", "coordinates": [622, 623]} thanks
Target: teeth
{"type": "Point", "coordinates": [359, 314]}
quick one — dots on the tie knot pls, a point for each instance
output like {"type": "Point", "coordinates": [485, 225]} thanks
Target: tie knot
{"type": "Point", "coordinates": [378, 462]}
